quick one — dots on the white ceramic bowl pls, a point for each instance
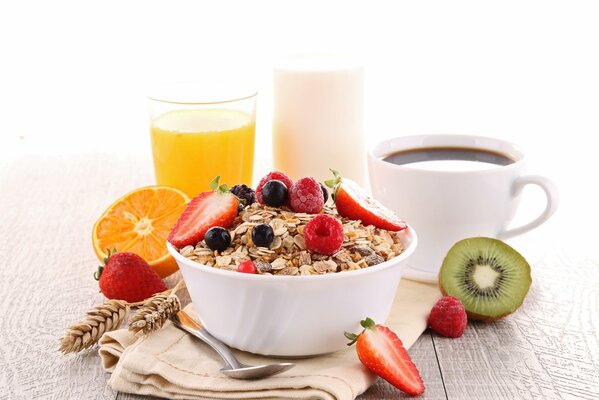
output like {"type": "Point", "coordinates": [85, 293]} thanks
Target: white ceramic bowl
{"type": "Point", "coordinates": [291, 315]}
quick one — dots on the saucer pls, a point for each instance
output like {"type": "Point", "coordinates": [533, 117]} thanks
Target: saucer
{"type": "Point", "coordinates": [532, 246]}
{"type": "Point", "coordinates": [418, 275]}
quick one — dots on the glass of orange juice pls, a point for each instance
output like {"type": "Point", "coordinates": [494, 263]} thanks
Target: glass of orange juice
{"type": "Point", "coordinates": [196, 139]}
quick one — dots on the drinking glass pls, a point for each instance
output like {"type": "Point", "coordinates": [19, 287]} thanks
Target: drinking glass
{"type": "Point", "coordinates": [318, 117]}
{"type": "Point", "coordinates": [198, 134]}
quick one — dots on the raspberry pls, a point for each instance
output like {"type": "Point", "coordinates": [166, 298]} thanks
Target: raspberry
{"type": "Point", "coordinates": [448, 317]}
{"type": "Point", "coordinates": [306, 196]}
{"type": "Point", "coordinates": [324, 234]}
{"type": "Point", "coordinates": [273, 175]}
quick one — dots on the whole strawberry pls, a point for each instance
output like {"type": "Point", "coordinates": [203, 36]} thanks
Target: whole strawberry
{"type": "Point", "coordinates": [448, 317]}
{"type": "Point", "coordinates": [127, 276]}
{"type": "Point", "coordinates": [382, 352]}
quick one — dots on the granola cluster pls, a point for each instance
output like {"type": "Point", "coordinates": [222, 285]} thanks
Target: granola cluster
{"type": "Point", "coordinates": [363, 246]}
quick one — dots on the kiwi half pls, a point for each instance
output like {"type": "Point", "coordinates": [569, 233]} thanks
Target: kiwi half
{"type": "Point", "coordinates": [488, 276]}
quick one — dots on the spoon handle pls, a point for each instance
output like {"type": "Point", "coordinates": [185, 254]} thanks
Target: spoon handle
{"type": "Point", "coordinates": [184, 321]}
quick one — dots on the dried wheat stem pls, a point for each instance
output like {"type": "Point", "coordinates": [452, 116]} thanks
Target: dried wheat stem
{"type": "Point", "coordinates": [103, 318]}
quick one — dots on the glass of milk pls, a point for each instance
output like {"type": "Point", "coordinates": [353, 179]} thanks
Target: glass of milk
{"type": "Point", "coordinates": [318, 117]}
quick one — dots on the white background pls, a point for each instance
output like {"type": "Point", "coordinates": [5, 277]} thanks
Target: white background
{"type": "Point", "coordinates": [73, 75]}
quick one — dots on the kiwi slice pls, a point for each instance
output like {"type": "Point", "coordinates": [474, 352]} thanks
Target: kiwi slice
{"type": "Point", "coordinates": [488, 276]}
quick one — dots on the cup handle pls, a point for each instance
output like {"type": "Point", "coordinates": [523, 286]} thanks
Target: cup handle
{"type": "Point", "coordinates": [551, 193]}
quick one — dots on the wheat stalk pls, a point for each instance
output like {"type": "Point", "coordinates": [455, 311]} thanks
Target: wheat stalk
{"type": "Point", "coordinates": [108, 316]}
{"type": "Point", "coordinates": [155, 311]}
{"type": "Point", "coordinates": [103, 318]}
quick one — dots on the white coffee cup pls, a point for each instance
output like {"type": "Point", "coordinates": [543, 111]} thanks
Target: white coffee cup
{"type": "Point", "coordinates": [445, 206]}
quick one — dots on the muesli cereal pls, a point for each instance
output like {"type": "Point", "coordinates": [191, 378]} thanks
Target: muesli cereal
{"type": "Point", "coordinates": [362, 247]}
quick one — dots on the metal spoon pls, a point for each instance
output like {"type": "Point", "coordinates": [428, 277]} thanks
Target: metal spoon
{"type": "Point", "coordinates": [233, 368]}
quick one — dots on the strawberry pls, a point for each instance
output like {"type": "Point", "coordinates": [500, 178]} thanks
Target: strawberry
{"type": "Point", "coordinates": [353, 203]}
{"type": "Point", "coordinates": [217, 207]}
{"type": "Point", "coordinates": [127, 276]}
{"type": "Point", "coordinates": [381, 352]}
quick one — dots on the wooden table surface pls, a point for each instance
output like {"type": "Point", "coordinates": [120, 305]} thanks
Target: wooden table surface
{"type": "Point", "coordinates": [548, 349]}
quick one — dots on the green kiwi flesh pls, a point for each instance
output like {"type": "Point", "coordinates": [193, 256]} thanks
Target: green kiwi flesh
{"type": "Point", "coordinates": [487, 275]}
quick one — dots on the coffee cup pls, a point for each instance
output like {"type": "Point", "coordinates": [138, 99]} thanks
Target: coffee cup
{"type": "Point", "coordinates": [450, 187]}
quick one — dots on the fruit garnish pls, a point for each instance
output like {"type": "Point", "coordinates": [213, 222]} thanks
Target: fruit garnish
{"type": "Point", "coordinates": [487, 275]}
{"type": "Point", "coordinates": [448, 317]}
{"type": "Point", "coordinates": [263, 235]}
{"type": "Point", "coordinates": [382, 352]}
{"type": "Point", "coordinates": [139, 222]}
{"type": "Point", "coordinates": [247, 267]}
{"type": "Point", "coordinates": [245, 194]}
{"type": "Point", "coordinates": [305, 196]}
{"type": "Point", "coordinates": [218, 238]}
{"type": "Point", "coordinates": [274, 193]}
{"type": "Point", "coordinates": [353, 203]}
{"type": "Point", "coordinates": [217, 207]}
{"type": "Point", "coordinates": [127, 276]}
{"type": "Point", "coordinates": [324, 234]}
{"type": "Point", "coordinates": [273, 175]}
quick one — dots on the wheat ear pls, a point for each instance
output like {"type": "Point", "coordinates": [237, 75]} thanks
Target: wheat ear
{"type": "Point", "coordinates": [106, 317]}
{"type": "Point", "coordinates": [155, 311]}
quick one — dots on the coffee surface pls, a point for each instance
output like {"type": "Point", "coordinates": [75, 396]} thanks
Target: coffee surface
{"type": "Point", "coordinates": [449, 158]}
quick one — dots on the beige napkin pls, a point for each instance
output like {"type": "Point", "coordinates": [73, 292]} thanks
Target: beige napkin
{"type": "Point", "coordinates": [171, 363]}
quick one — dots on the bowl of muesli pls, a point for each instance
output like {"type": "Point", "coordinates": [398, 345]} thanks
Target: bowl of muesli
{"type": "Point", "coordinates": [297, 301]}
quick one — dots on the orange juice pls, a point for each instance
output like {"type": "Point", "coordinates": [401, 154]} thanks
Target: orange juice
{"type": "Point", "coordinates": [191, 147]}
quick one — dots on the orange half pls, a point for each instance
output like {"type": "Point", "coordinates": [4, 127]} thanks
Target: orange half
{"type": "Point", "coordinates": [140, 222]}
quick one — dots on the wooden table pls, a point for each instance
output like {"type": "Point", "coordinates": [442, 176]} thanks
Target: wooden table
{"type": "Point", "coordinates": [548, 349]}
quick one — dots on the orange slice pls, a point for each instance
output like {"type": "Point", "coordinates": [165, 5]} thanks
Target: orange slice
{"type": "Point", "coordinates": [140, 222]}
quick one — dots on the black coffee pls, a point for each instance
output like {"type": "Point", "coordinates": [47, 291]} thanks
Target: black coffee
{"type": "Point", "coordinates": [449, 158]}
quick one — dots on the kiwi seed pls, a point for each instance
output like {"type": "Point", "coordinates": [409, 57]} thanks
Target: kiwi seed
{"type": "Point", "coordinates": [487, 275]}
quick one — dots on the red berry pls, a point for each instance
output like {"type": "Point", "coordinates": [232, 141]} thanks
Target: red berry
{"type": "Point", "coordinates": [305, 196]}
{"type": "Point", "coordinates": [324, 234]}
{"type": "Point", "coordinates": [208, 209]}
{"type": "Point", "coordinates": [354, 203]}
{"type": "Point", "coordinates": [127, 276]}
{"type": "Point", "coordinates": [273, 175]}
{"type": "Point", "coordinates": [448, 317]}
{"type": "Point", "coordinates": [382, 352]}
{"type": "Point", "coordinates": [247, 267]}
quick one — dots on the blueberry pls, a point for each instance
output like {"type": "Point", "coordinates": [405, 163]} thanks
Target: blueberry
{"type": "Point", "coordinates": [325, 192]}
{"type": "Point", "coordinates": [218, 238]}
{"type": "Point", "coordinates": [263, 235]}
{"type": "Point", "coordinates": [274, 193]}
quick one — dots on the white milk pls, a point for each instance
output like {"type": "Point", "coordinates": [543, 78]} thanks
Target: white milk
{"type": "Point", "coordinates": [318, 118]}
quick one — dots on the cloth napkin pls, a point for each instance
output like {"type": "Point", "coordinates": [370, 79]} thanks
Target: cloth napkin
{"type": "Point", "coordinates": [173, 364]}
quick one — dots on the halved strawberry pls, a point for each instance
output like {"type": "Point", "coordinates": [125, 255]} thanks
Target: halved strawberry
{"type": "Point", "coordinates": [353, 202]}
{"type": "Point", "coordinates": [217, 207]}
{"type": "Point", "coordinates": [381, 351]}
